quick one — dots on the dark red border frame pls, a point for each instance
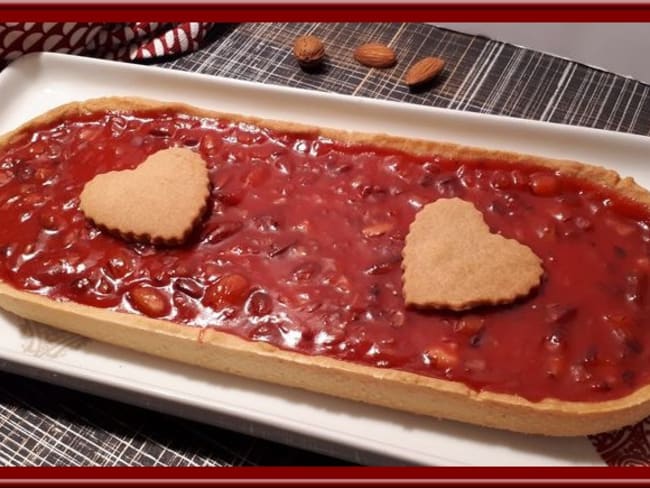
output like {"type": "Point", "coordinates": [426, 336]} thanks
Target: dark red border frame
{"type": "Point", "coordinates": [328, 12]}
{"type": "Point", "coordinates": [287, 476]}
{"type": "Point", "coordinates": [322, 477]}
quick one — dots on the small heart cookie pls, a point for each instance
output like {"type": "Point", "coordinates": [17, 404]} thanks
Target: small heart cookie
{"type": "Point", "coordinates": [453, 261]}
{"type": "Point", "coordinates": [160, 201]}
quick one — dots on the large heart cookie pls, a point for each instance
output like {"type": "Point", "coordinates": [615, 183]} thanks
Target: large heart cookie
{"type": "Point", "coordinates": [453, 261]}
{"type": "Point", "coordinates": [160, 201]}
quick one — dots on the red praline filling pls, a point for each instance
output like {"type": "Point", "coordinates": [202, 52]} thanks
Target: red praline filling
{"type": "Point", "coordinates": [301, 248]}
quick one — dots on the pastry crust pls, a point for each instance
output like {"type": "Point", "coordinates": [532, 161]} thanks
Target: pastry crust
{"type": "Point", "coordinates": [400, 390]}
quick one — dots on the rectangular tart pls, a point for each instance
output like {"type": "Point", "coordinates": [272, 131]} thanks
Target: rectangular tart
{"type": "Point", "coordinates": [293, 275]}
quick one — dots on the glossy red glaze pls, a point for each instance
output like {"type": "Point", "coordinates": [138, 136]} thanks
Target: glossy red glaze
{"type": "Point", "coordinates": [301, 248]}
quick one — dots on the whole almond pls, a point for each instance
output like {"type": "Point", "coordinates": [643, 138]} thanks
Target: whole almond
{"type": "Point", "coordinates": [309, 51]}
{"type": "Point", "coordinates": [424, 70]}
{"type": "Point", "coordinates": [375, 55]}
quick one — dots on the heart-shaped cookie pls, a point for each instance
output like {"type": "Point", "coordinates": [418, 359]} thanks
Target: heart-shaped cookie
{"type": "Point", "coordinates": [453, 261]}
{"type": "Point", "coordinates": [160, 201]}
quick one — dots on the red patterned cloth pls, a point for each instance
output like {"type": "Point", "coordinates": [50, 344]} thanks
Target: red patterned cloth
{"type": "Point", "coordinates": [629, 446]}
{"type": "Point", "coordinates": [129, 42]}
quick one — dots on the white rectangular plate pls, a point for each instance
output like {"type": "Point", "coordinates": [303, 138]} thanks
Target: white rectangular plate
{"type": "Point", "coordinates": [355, 431]}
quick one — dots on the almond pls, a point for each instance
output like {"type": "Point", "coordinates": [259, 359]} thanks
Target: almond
{"type": "Point", "coordinates": [424, 70]}
{"type": "Point", "coordinates": [375, 55]}
{"type": "Point", "coordinates": [308, 50]}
